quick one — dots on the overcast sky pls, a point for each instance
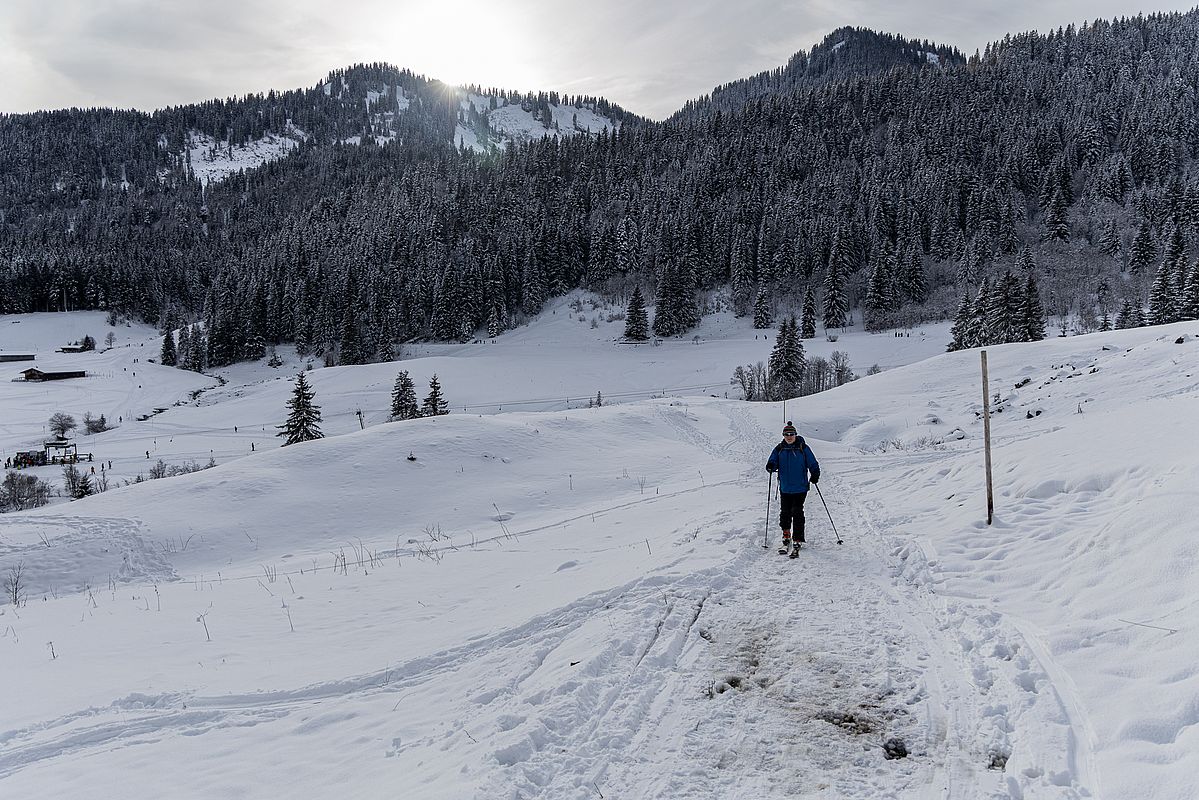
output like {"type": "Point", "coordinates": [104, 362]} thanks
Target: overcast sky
{"type": "Point", "coordinates": [649, 56]}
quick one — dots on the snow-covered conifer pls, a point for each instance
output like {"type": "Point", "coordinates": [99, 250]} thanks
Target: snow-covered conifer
{"type": "Point", "coordinates": [636, 326]}
{"type": "Point", "coordinates": [403, 398]}
{"type": "Point", "coordinates": [303, 419]}
{"type": "Point", "coordinates": [435, 404]}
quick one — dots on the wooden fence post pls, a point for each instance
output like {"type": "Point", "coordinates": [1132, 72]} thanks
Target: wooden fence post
{"type": "Point", "coordinates": [987, 438]}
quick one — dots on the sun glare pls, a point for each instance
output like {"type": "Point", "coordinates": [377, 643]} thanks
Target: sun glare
{"type": "Point", "coordinates": [464, 43]}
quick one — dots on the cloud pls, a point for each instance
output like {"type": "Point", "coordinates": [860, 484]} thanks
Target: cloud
{"type": "Point", "coordinates": [648, 56]}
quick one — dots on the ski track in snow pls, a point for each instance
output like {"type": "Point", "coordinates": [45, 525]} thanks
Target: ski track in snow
{"type": "Point", "coordinates": [727, 682]}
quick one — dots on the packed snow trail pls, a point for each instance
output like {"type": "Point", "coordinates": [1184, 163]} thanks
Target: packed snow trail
{"type": "Point", "coordinates": [750, 679]}
{"type": "Point", "coordinates": [752, 676]}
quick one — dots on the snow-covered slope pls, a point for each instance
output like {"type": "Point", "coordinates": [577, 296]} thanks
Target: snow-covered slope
{"type": "Point", "coordinates": [516, 122]}
{"type": "Point", "coordinates": [213, 161]}
{"type": "Point", "coordinates": [576, 602]}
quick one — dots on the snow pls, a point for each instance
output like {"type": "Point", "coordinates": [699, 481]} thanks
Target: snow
{"type": "Point", "coordinates": [553, 601]}
{"type": "Point", "coordinates": [465, 137]}
{"type": "Point", "coordinates": [213, 161]}
{"type": "Point", "coordinates": [511, 123]}
{"type": "Point", "coordinates": [933, 58]}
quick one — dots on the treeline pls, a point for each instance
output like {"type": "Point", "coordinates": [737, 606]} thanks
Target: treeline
{"type": "Point", "coordinates": [886, 195]}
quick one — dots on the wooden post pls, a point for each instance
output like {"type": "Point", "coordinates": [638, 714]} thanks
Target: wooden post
{"type": "Point", "coordinates": [987, 439]}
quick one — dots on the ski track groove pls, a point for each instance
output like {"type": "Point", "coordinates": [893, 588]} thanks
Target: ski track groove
{"type": "Point", "coordinates": [654, 689]}
{"type": "Point", "coordinates": [865, 631]}
{"type": "Point", "coordinates": [184, 712]}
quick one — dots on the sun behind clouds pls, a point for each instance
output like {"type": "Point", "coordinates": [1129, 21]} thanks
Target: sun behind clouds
{"type": "Point", "coordinates": [462, 43]}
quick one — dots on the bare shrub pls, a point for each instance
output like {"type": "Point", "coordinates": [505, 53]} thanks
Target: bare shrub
{"type": "Point", "coordinates": [14, 585]}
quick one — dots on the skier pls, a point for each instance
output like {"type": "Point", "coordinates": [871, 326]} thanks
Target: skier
{"type": "Point", "coordinates": [794, 461]}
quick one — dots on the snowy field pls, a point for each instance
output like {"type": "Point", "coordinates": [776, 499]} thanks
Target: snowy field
{"type": "Point", "coordinates": [551, 601]}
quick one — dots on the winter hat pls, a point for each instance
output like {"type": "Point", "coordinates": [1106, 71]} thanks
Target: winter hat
{"type": "Point", "coordinates": [789, 429]}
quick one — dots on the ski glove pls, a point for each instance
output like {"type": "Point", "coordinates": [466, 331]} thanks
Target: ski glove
{"type": "Point", "coordinates": [816, 477]}
{"type": "Point", "coordinates": [771, 468]}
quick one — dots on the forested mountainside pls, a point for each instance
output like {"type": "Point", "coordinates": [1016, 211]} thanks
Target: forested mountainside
{"type": "Point", "coordinates": [844, 54]}
{"type": "Point", "coordinates": [896, 193]}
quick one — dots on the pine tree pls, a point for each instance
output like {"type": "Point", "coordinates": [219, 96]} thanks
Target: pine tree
{"type": "Point", "coordinates": [403, 398]}
{"type": "Point", "coordinates": [786, 364]}
{"type": "Point", "coordinates": [1109, 238]}
{"type": "Point", "coordinates": [674, 310]}
{"type": "Point", "coordinates": [636, 326]}
{"type": "Point", "coordinates": [913, 281]}
{"type": "Point", "coordinates": [1142, 251]}
{"type": "Point", "coordinates": [835, 306]}
{"type": "Point", "coordinates": [1056, 225]}
{"type": "Point", "coordinates": [302, 421]}
{"type": "Point", "coordinates": [1190, 296]}
{"type": "Point", "coordinates": [169, 358]}
{"type": "Point", "coordinates": [1161, 296]}
{"type": "Point", "coordinates": [1033, 312]}
{"type": "Point", "coordinates": [184, 355]}
{"type": "Point", "coordinates": [1175, 253]}
{"type": "Point", "coordinates": [962, 324]}
{"type": "Point", "coordinates": [350, 346]}
{"type": "Point", "coordinates": [979, 330]}
{"type": "Point", "coordinates": [435, 405]}
{"type": "Point", "coordinates": [198, 355]}
{"type": "Point", "coordinates": [762, 318]}
{"type": "Point", "coordinates": [880, 299]}
{"type": "Point", "coordinates": [1126, 318]}
{"type": "Point", "coordinates": [808, 331]}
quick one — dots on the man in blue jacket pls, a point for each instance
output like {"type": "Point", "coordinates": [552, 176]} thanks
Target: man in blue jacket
{"type": "Point", "coordinates": [794, 461]}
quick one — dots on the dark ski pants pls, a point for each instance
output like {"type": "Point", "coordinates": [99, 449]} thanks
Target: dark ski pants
{"type": "Point", "coordinates": [791, 516]}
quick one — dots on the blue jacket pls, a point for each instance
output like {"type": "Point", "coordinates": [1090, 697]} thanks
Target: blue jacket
{"type": "Point", "coordinates": [794, 462]}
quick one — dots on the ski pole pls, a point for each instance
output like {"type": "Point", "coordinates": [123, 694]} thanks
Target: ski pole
{"type": "Point", "coordinates": [826, 511]}
{"type": "Point", "coordinates": [769, 491]}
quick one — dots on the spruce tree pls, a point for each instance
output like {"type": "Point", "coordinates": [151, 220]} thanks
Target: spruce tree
{"type": "Point", "coordinates": [435, 405]}
{"type": "Point", "coordinates": [1142, 251]}
{"type": "Point", "coordinates": [1056, 225]}
{"type": "Point", "coordinates": [979, 331]}
{"type": "Point", "coordinates": [636, 326]}
{"type": "Point", "coordinates": [184, 354]}
{"type": "Point", "coordinates": [1126, 318]}
{"type": "Point", "coordinates": [913, 281]}
{"type": "Point", "coordinates": [1161, 296]}
{"type": "Point", "coordinates": [1190, 296]}
{"type": "Point", "coordinates": [1109, 238]}
{"type": "Point", "coordinates": [403, 398]}
{"type": "Point", "coordinates": [762, 319]}
{"type": "Point", "coordinates": [962, 323]}
{"type": "Point", "coordinates": [879, 298]}
{"type": "Point", "coordinates": [350, 346]}
{"type": "Point", "coordinates": [302, 421]}
{"type": "Point", "coordinates": [198, 355]}
{"type": "Point", "coordinates": [1033, 312]}
{"type": "Point", "coordinates": [808, 331]}
{"type": "Point", "coordinates": [835, 306]}
{"type": "Point", "coordinates": [168, 357]}
{"type": "Point", "coordinates": [786, 364]}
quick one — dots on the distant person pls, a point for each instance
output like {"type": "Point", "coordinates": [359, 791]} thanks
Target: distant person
{"type": "Point", "coordinates": [794, 461]}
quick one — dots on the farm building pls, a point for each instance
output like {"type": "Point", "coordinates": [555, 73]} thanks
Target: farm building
{"type": "Point", "coordinates": [35, 374]}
